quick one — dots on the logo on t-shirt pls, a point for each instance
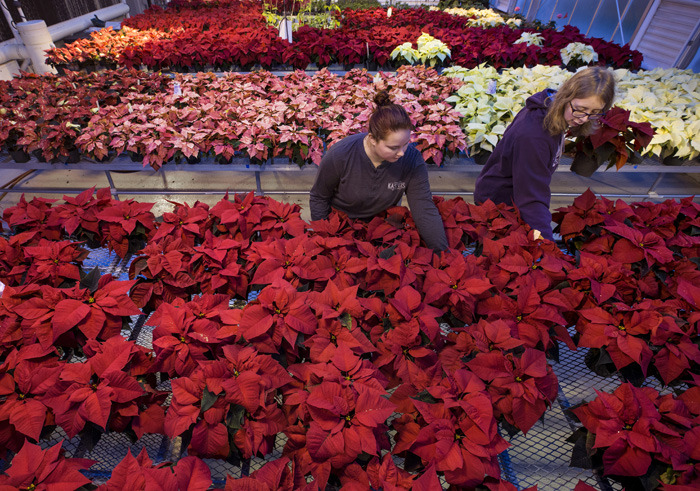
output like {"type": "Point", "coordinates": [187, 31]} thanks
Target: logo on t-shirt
{"type": "Point", "coordinates": [394, 186]}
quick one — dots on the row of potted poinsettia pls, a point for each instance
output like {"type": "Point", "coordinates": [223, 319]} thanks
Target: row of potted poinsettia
{"type": "Point", "coordinates": [237, 36]}
{"type": "Point", "coordinates": [79, 119]}
{"type": "Point", "coordinates": [349, 311]}
{"type": "Point", "coordinates": [257, 116]}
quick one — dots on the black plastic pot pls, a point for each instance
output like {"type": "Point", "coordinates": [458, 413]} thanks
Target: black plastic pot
{"type": "Point", "coordinates": [584, 165]}
{"type": "Point", "coordinates": [481, 156]}
{"type": "Point", "coordinates": [19, 156]}
{"type": "Point", "coordinates": [673, 161]}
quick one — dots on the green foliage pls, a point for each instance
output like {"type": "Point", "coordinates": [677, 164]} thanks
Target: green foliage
{"type": "Point", "coordinates": [358, 4]}
{"type": "Point", "coordinates": [465, 4]}
{"type": "Point", "coordinates": [536, 24]}
{"type": "Point", "coordinates": [317, 14]}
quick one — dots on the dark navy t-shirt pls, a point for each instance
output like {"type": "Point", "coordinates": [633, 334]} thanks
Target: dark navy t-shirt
{"type": "Point", "coordinates": [348, 181]}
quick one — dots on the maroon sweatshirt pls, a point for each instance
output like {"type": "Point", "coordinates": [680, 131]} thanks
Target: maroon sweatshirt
{"type": "Point", "coordinates": [519, 171]}
{"type": "Point", "coordinates": [348, 181]}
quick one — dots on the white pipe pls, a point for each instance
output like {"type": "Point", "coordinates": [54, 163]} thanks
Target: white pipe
{"type": "Point", "coordinates": [69, 27]}
{"type": "Point", "coordinates": [13, 51]}
{"type": "Point", "coordinates": [37, 40]}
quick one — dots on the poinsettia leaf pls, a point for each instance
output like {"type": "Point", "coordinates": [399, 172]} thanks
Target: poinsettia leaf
{"type": "Point", "coordinates": [68, 313]}
{"type": "Point", "coordinates": [209, 440]}
{"type": "Point", "coordinates": [235, 417]}
{"type": "Point", "coordinates": [28, 418]}
{"type": "Point", "coordinates": [625, 460]}
{"type": "Point", "coordinates": [322, 444]}
{"type": "Point", "coordinates": [90, 280]}
{"type": "Point", "coordinates": [208, 399]}
{"type": "Point", "coordinates": [388, 252]}
{"type": "Point", "coordinates": [346, 320]}
{"type": "Point", "coordinates": [689, 292]}
{"type": "Point", "coordinates": [192, 474]}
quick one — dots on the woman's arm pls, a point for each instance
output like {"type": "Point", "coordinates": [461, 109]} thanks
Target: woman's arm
{"type": "Point", "coordinates": [425, 213]}
{"type": "Point", "coordinates": [533, 165]}
{"type": "Point", "coordinates": [324, 187]}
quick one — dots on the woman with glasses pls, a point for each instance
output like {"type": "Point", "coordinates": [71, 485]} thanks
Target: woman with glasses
{"type": "Point", "coordinates": [519, 171]}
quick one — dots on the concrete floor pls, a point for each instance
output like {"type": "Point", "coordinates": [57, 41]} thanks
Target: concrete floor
{"type": "Point", "coordinates": [293, 186]}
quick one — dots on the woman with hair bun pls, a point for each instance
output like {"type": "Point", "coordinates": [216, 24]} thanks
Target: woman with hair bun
{"type": "Point", "coordinates": [365, 174]}
{"type": "Point", "coordinates": [519, 171]}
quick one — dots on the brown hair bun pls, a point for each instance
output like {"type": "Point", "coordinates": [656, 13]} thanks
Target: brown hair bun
{"type": "Point", "coordinates": [382, 98]}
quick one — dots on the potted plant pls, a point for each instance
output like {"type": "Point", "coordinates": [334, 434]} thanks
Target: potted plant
{"type": "Point", "coordinates": [616, 141]}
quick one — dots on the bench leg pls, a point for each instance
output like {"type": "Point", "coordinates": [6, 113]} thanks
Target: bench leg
{"type": "Point", "coordinates": [652, 193]}
{"type": "Point", "coordinates": [112, 187]}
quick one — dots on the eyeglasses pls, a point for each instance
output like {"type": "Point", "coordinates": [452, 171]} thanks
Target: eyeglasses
{"type": "Point", "coordinates": [577, 113]}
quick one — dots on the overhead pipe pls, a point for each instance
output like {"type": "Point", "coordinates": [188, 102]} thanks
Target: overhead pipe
{"type": "Point", "coordinates": [70, 27]}
{"type": "Point", "coordinates": [40, 39]}
{"type": "Point", "coordinates": [13, 51]}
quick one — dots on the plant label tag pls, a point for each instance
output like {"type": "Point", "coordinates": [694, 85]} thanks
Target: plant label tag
{"type": "Point", "coordinates": [177, 90]}
{"type": "Point", "coordinates": [491, 89]}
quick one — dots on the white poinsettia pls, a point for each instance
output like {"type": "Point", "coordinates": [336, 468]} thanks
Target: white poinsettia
{"type": "Point", "coordinates": [530, 38]}
{"type": "Point", "coordinates": [407, 52]}
{"type": "Point", "coordinates": [668, 99]}
{"type": "Point", "coordinates": [430, 51]}
{"type": "Point", "coordinates": [484, 17]}
{"type": "Point", "coordinates": [578, 52]}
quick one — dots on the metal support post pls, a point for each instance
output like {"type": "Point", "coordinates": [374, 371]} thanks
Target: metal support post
{"type": "Point", "coordinates": [112, 187]}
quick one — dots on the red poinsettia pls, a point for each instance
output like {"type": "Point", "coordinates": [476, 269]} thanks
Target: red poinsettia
{"type": "Point", "coordinates": [25, 377]}
{"type": "Point", "coordinates": [627, 425]}
{"type": "Point", "coordinates": [81, 396]}
{"type": "Point", "coordinates": [161, 274]}
{"type": "Point", "coordinates": [221, 404]}
{"type": "Point", "coordinates": [277, 318]}
{"type": "Point", "coordinates": [521, 387]}
{"type": "Point", "coordinates": [76, 314]}
{"type": "Point", "coordinates": [216, 266]}
{"type": "Point", "coordinates": [454, 430]}
{"type": "Point", "coordinates": [634, 246]}
{"type": "Point", "coordinates": [297, 261]}
{"type": "Point", "coordinates": [484, 336]}
{"type": "Point", "coordinates": [34, 468]}
{"type": "Point", "coordinates": [78, 215]}
{"type": "Point", "coordinates": [186, 223]}
{"type": "Point", "coordinates": [186, 334]}
{"type": "Point", "coordinates": [273, 219]}
{"type": "Point", "coordinates": [338, 312]}
{"type": "Point", "coordinates": [275, 475]}
{"type": "Point", "coordinates": [620, 332]}
{"type": "Point", "coordinates": [32, 216]}
{"type": "Point", "coordinates": [140, 473]}
{"type": "Point", "coordinates": [53, 263]}
{"type": "Point", "coordinates": [345, 266]}
{"type": "Point", "coordinates": [346, 421]}
{"type": "Point", "coordinates": [124, 221]}
{"type": "Point", "coordinates": [457, 285]}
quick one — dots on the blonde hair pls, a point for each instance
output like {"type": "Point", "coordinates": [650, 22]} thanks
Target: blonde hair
{"type": "Point", "coordinates": [593, 81]}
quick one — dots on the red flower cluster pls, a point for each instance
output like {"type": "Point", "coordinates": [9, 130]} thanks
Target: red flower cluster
{"type": "Point", "coordinates": [635, 284]}
{"type": "Point", "coordinates": [236, 34]}
{"type": "Point", "coordinates": [358, 344]}
{"type": "Point", "coordinates": [637, 430]}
